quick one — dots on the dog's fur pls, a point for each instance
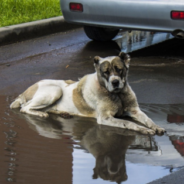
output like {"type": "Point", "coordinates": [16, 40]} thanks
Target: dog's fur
{"type": "Point", "coordinates": [104, 95]}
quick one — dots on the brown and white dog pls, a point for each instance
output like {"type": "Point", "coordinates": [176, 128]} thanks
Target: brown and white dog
{"type": "Point", "coordinates": [104, 95]}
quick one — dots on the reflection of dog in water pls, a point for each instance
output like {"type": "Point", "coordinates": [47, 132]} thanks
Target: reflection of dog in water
{"type": "Point", "coordinates": [104, 95]}
{"type": "Point", "coordinates": [109, 149]}
{"type": "Point", "coordinates": [107, 144]}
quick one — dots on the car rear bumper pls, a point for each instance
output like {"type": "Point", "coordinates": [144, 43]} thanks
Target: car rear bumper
{"type": "Point", "coordinates": [130, 14]}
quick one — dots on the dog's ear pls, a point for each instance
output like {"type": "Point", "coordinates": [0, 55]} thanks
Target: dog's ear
{"type": "Point", "coordinates": [96, 59]}
{"type": "Point", "coordinates": [126, 58]}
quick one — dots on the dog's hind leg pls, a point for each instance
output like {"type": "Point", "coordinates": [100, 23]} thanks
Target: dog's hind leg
{"type": "Point", "coordinates": [34, 112]}
{"type": "Point", "coordinates": [32, 108]}
{"type": "Point", "coordinates": [43, 98]}
{"type": "Point", "coordinates": [18, 102]}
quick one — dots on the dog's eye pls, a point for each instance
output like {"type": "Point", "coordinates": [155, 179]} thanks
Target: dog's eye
{"type": "Point", "coordinates": [106, 72]}
{"type": "Point", "coordinates": [118, 70]}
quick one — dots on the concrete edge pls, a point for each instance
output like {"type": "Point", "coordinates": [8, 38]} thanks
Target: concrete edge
{"type": "Point", "coordinates": [176, 177]}
{"type": "Point", "coordinates": [19, 32]}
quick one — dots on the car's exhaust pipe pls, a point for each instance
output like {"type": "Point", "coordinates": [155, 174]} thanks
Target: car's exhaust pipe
{"type": "Point", "coordinates": [178, 34]}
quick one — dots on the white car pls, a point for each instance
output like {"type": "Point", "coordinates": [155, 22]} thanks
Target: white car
{"type": "Point", "coordinates": [102, 19]}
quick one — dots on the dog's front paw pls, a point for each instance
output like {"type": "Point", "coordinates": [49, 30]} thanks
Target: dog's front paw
{"type": "Point", "coordinates": [147, 131]}
{"type": "Point", "coordinates": [151, 132]}
{"type": "Point", "coordinates": [159, 130]}
{"type": "Point", "coordinates": [44, 115]}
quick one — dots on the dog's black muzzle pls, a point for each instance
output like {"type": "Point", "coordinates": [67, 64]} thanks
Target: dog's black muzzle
{"type": "Point", "coordinates": [115, 83]}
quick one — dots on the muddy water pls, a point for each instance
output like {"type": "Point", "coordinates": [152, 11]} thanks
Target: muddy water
{"type": "Point", "coordinates": [77, 150]}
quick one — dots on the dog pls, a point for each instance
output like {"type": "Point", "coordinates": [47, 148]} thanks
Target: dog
{"type": "Point", "coordinates": [104, 95]}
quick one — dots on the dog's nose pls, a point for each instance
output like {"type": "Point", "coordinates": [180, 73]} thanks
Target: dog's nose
{"type": "Point", "coordinates": [115, 83]}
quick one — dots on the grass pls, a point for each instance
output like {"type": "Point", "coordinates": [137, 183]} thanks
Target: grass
{"type": "Point", "coordinates": [19, 11]}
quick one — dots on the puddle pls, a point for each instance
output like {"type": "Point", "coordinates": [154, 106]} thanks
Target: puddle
{"type": "Point", "coordinates": [135, 40]}
{"type": "Point", "coordinates": [77, 150]}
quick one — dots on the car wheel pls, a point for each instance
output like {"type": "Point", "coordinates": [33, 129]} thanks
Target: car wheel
{"type": "Point", "coordinates": [100, 34]}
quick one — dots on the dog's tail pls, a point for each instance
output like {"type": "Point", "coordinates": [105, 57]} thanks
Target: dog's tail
{"type": "Point", "coordinates": [16, 103]}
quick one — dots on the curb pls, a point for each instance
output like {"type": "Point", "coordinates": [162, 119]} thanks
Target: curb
{"type": "Point", "coordinates": [175, 178]}
{"type": "Point", "coordinates": [34, 29]}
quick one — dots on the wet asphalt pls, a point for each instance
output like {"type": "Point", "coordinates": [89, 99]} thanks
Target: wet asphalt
{"type": "Point", "coordinates": [156, 76]}
{"type": "Point", "coordinates": [156, 72]}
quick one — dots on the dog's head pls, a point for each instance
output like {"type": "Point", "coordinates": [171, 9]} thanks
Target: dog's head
{"type": "Point", "coordinates": [112, 71]}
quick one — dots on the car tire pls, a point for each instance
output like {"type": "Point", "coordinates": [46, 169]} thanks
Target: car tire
{"type": "Point", "coordinates": [100, 34]}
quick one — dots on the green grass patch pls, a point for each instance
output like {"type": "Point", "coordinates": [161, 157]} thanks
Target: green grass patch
{"type": "Point", "coordinates": [20, 11]}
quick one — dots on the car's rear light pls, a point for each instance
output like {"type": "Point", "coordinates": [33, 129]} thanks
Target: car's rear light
{"type": "Point", "coordinates": [76, 7]}
{"type": "Point", "coordinates": [179, 145]}
{"type": "Point", "coordinates": [175, 118]}
{"type": "Point", "coordinates": [177, 15]}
